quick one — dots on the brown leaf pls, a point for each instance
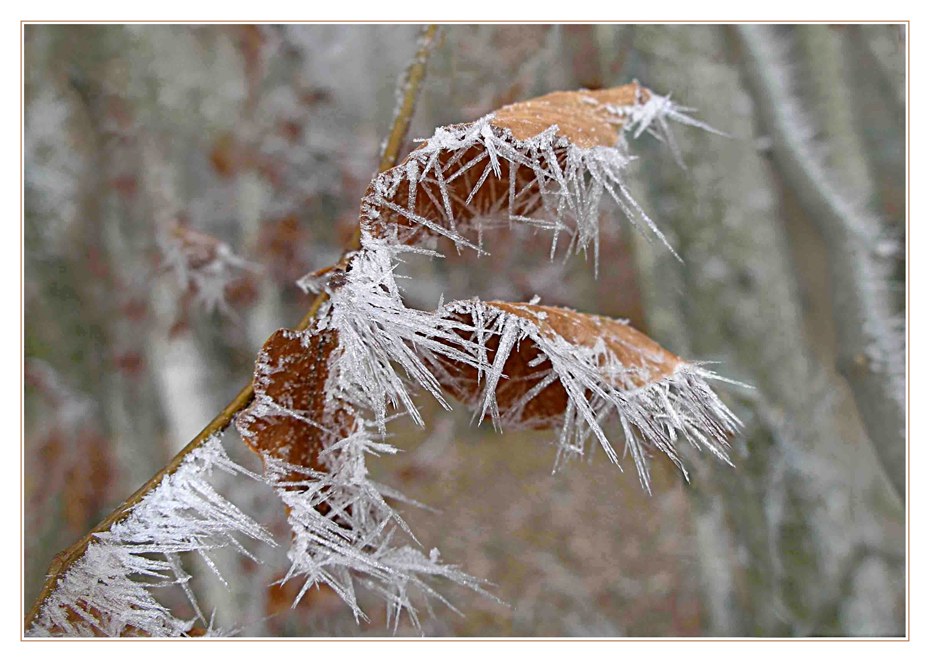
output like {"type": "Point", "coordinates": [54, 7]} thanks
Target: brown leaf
{"type": "Point", "coordinates": [587, 118]}
{"type": "Point", "coordinates": [291, 418]}
{"type": "Point", "coordinates": [460, 187]}
{"type": "Point", "coordinates": [645, 361]}
{"type": "Point", "coordinates": [199, 248]}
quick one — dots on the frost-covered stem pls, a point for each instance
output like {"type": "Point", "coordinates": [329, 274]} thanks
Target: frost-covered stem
{"type": "Point", "coordinates": [862, 311]}
{"type": "Point", "coordinates": [407, 92]}
{"type": "Point", "coordinates": [68, 557]}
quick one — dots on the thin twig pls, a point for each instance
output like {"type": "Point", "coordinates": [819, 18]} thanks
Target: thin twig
{"type": "Point", "coordinates": [408, 90]}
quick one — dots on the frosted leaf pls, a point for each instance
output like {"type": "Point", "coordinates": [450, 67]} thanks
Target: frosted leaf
{"type": "Point", "coordinates": [323, 398]}
{"type": "Point", "coordinates": [202, 264]}
{"type": "Point", "coordinates": [553, 368]}
{"type": "Point", "coordinates": [344, 532]}
{"type": "Point", "coordinates": [325, 395]}
{"type": "Point", "coordinates": [292, 417]}
{"type": "Point", "coordinates": [377, 331]}
{"type": "Point", "coordinates": [106, 591]}
{"type": "Point", "coordinates": [546, 162]}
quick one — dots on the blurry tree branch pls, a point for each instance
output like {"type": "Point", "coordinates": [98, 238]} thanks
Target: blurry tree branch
{"type": "Point", "coordinates": [774, 559]}
{"type": "Point", "coordinates": [869, 345]}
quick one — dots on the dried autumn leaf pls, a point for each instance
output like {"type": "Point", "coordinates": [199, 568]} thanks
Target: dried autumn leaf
{"type": "Point", "coordinates": [101, 593]}
{"type": "Point", "coordinates": [587, 118]}
{"type": "Point", "coordinates": [557, 368]}
{"type": "Point", "coordinates": [205, 267]}
{"type": "Point", "coordinates": [291, 417]}
{"type": "Point", "coordinates": [641, 361]}
{"type": "Point", "coordinates": [323, 397]}
{"type": "Point", "coordinates": [546, 162]}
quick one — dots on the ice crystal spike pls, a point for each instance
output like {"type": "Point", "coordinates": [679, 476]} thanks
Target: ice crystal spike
{"type": "Point", "coordinates": [106, 591]}
{"type": "Point", "coordinates": [553, 368]}
{"type": "Point", "coordinates": [324, 396]}
{"type": "Point", "coordinates": [323, 399]}
{"type": "Point", "coordinates": [547, 162]}
{"type": "Point", "coordinates": [344, 533]}
{"type": "Point", "coordinates": [202, 265]}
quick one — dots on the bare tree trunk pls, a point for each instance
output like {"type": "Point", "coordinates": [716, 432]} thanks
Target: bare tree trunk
{"type": "Point", "coordinates": [870, 341]}
{"type": "Point", "coordinates": [805, 537]}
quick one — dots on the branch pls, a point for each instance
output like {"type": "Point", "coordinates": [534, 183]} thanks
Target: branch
{"type": "Point", "coordinates": [407, 93]}
{"type": "Point", "coordinates": [870, 346]}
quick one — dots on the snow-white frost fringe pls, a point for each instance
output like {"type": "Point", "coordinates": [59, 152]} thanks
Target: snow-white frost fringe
{"type": "Point", "coordinates": [202, 265]}
{"type": "Point", "coordinates": [343, 527]}
{"type": "Point", "coordinates": [377, 331]}
{"type": "Point", "coordinates": [107, 589]}
{"type": "Point", "coordinates": [598, 384]}
{"type": "Point", "coordinates": [344, 530]}
{"type": "Point", "coordinates": [564, 195]}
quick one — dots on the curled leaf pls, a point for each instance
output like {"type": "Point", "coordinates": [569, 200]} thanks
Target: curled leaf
{"type": "Point", "coordinates": [291, 418]}
{"type": "Point", "coordinates": [546, 163]}
{"type": "Point", "coordinates": [560, 369]}
{"type": "Point", "coordinates": [324, 396]}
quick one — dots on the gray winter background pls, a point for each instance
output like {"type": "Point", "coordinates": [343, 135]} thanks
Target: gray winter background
{"type": "Point", "coordinates": [250, 148]}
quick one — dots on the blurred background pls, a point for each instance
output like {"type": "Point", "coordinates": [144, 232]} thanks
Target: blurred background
{"type": "Point", "coordinates": [179, 179]}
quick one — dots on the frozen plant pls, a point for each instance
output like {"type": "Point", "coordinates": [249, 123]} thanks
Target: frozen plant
{"type": "Point", "coordinates": [323, 394]}
{"type": "Point", "coordinates": [106, 591]}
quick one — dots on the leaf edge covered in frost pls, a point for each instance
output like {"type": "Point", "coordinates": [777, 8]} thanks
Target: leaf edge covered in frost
{"type": "Point", "coordinates": [341, 523]}
{"type": "Point", "coordinates": [679, 403]}
{"type": "Point", "coordinates": [343, 532]}
{"type": "Point", "coordinates": [567, 184]}
{"type": "Point", "coordinates": [375, 330]}
{"type": "Point", "coordinates": [343, 529]}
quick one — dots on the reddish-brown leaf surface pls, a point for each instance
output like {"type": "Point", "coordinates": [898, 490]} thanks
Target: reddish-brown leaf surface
{"type": "Point", "coordinates": [290, 389]}
{"type": "Point", "coordinates": [647, 359]}
{"type": "Point", "coordinates": [585, 118]}
{"type": "Point", "coordinates": [490, 201]}
{"type": "Point", "coordinates": [199, 248]}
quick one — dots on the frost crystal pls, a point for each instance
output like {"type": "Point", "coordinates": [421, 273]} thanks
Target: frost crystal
{"type": "Point", "coordinates": [462, 180]}
{"type": "Point", "coordinates": [376, 330]}
{"type": "Point", "coordinates": [470, 177]}
{"type": "Point", "coordinates": [344, 529]}
{"type": "Point", "coordinates": [370, 350]}
{"type": "Point", "coordinates": [603, 367]}
{"type": "Point", "coordinates": [106, 591]}
{"type": "Point", "coordinates": [202, 265]}
{"type": "Point", "coordinates": [323, 396]}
